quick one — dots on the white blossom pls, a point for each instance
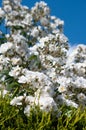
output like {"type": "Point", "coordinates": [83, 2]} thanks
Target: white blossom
{"type": "Point", "coordinates": [35, 32]}
{"type": "Point", "coordinates": [17, 2]}
{"type": "Point", "coordinates": [71, 103]}
{"type": "Point", "coordinates": [16, 61]}
{"type": "Point", "coordinates": [7, 8]}
{"type": "Point", "coordinates": [27, 110]}
{"type": "Point", "coordinates": [16, 101]}
{"type": "Point", "coordinates": [15, 71]}
{"type": "Point", "coordinates": [81, 97]}
{"type": "Point", "coordinates": [46, 104]}
{"type": "Point", "coordinates": [2, 13]}
{"type": "Point", "coordinates": [44, 21]}
{"type": "Point", "coordinates": [23, 79]}
{"type": "Point", "coordinates": [5, 47]}
{"type": "Point", "coordinates": [62, 89]}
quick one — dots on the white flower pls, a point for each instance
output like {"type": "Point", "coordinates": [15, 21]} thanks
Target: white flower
{"type": "Point", "coordinates": [35, 32]}
{"type": "Point", "coordinates": [7, 8]}
{"type": "Point", "coordinates": [5, 2]}
{"type": "Point", "coordinates": [53, 26]}
{"type": "Point", "coordinates": [9, 23]}
{"type": "Point", "coordinates": [63, 38]}
{"type": "Point", "coordinates": [27, 20]}
{"type": "Point", "coordinates": [53, 17]}
{"type": "Point", "coordinates": [19, 39]}
{"type": "Point", "coordinates": [1, 13]}
{"type": "Point", "coordinates": [33, 50]}
{"type": "Point", "coordinates": [15, 71]}
{"type": "Point", "coordinates": [5, 47]}
{"type": "Point", "coordinates": [71, 103]}
{"type": "Point", "coordinates": [80, 68]}
{"type": "Point", "coordinates": [44, 39]}
{"type": "Point", "coordinates": [27, 110]}
{"type": "Point", "coordinates": [23, 79]}
{"type": "Point", "coordinates": [16, 61]}
{"type": "Point", "coordinates": [44, 21]}
{"type": "Point", "coordinates": [81, 97]}
{"type": "Point", "coordinates": [36, 79]}
{"type": "Point", "coordinates": [45, 91]}
{"type": "Point", "coordinates": [46, 104]}
{"type": "Point", "coordinates": [29, 100]}
{"type": "Point", "coordinates": [62, 89]}
{"type": "Point", "coordinates": [63, 81]}
{"type": "Point", "coordinates": [16, 101]}
{"type": "Point", "coordinates": [17, 2]}
{"type": "Point", "coordinates": [41, 4]}
{"type": "Point", "coordinates": [3, 93]}
{"type": "Point", "coordinates": [59, 22]}
{"type": "Point", "coordinates": [46, 11]}
{"type": "Point", "coordinates": [79, 82]}
{"type": "Point", "coordinates": [4, 60]}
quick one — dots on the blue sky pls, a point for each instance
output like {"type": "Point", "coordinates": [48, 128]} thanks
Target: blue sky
{"type": "Point", "coordinates": [73, 12]}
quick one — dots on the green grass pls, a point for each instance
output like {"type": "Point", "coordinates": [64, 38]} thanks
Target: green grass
{"type": "Point", "coordinates": [12, 118]}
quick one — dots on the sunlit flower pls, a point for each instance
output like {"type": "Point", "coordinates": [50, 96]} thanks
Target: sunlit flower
{"type": "Point", "coordinates": [1, 13]}
{"type": "Point", "coordinates": [35, 32]}
{"type": "Point", "coordinates": [16, 61]}
{"type": "Point", "coordinates": [71, 103]}
{"type": "Point", "coordinates": [27, 110]}
{"type": "Point", "coordinates": [5, 47]}
{"type": "Point", "coordinates": [44, 21]}
{"type": "Point", "coordinates": [22, 79]}
{"type": "Point", "coordinates": [62, 89]}
{"type": "Point", "coordinates": [81, 97]}
{"type": "Point", "coordinates": [46, 104]}
{"type": "Point", "coordinates": [15, 71]}
{"type": "Point", "coordinates": [17, 101]}
{"type": "Point", "coordinates": [7, 8]}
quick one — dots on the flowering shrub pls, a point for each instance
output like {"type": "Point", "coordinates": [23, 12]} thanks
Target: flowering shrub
{"type": "Point", "coordinates": [12, 118]}
{"type": "Point", "coordinates": [35, 67]}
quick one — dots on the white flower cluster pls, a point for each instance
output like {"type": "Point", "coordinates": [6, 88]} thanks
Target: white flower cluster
{"type": "Point", "coordinates": [73, 81]}
{"type": "Point", "coordinates": [35, 60]}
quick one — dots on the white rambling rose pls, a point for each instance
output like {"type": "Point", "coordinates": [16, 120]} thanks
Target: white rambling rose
{"type": "Point", "coordinates": [62, 38]}
{"type": "Point", "coordinates": [22, 79]}
{"type": "Point", "coordinates": [44, 21]}
{"type": "Point", "coordinates": [46, 104]}
{"type": "Point", "coordinates": [16, 61]}
{"type": "Point", "coordinates": [71, 103]}
{"type": "Point", "coordinates": [3, 93]}
{"type": "Point", "coordinates": [17, 101]}
{"type": "Point", "coordinates": [62, 89]}
{"type": "Point", "coordinates": [27, 20]}
{"type": "Point", "coordinates": [1, 13]}
{"type": "Point", "coordinates": [35, 32]}
{"type": "Point", "coordinates": [15, 71]}
{"type": "Point", "coordinates": [46, 11]}
{"type": "Point", "coordinates": [29, 100]}
{"type": "Point", "coordinates": [27, 110]}
{"type": "Point", "coordinates": [5, 47]}
{"type": "Point", "coordinates": [17, 2]}
{"type": "Point", "coordinates": [6, 2]}
{"type": "Point", "coordinates": [81, 97]}
{"type": "Point", "coordinates": [7, 8]}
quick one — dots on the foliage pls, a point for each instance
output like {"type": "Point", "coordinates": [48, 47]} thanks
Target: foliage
{"type": "Point", "coordinates": [12, 118]}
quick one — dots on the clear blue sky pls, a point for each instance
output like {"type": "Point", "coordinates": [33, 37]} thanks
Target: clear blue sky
{"type": "Point", "coordinates": [73, 12]}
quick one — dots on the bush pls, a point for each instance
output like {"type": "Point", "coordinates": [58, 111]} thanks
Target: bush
{"type": "Point", "coordinates": [12, 118]}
